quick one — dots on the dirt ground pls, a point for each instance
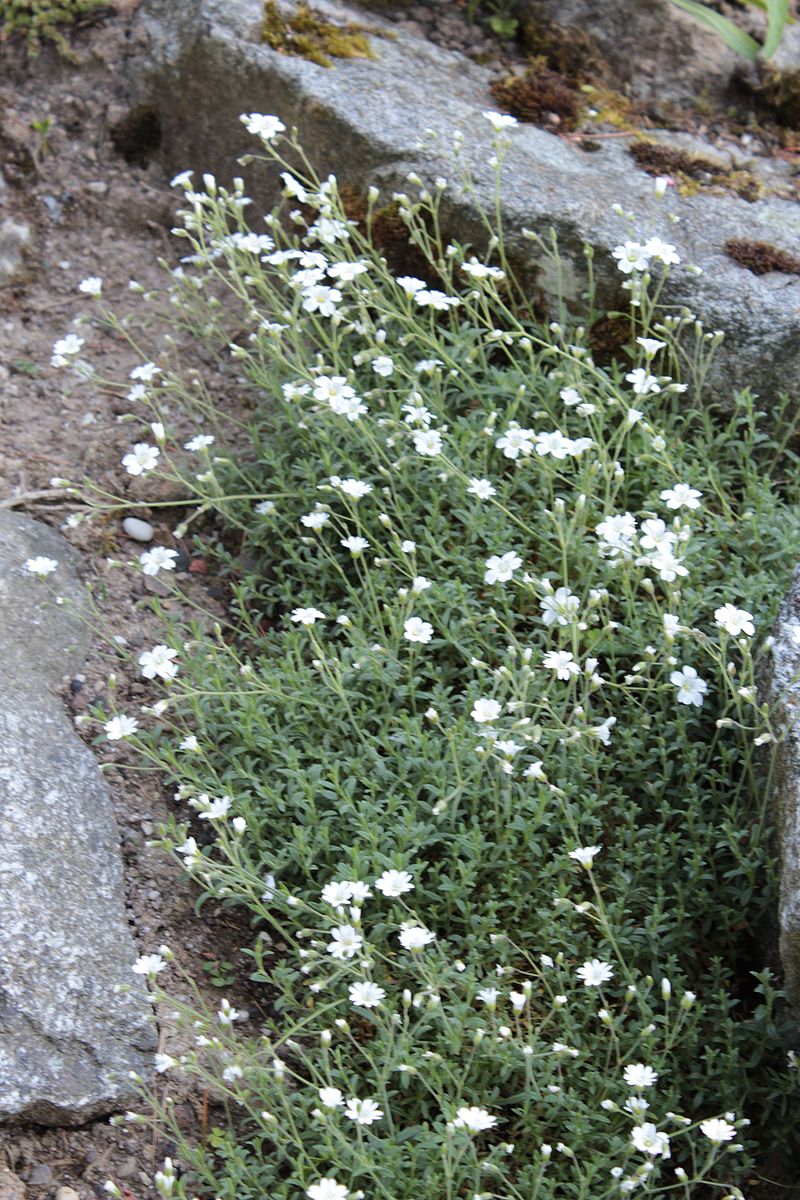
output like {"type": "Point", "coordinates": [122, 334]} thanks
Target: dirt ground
{"type": "Point", "coordinates": [91, 212]}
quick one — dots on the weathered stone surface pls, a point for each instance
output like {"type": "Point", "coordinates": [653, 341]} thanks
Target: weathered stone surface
{"type": "Point", "coordinates": [363, 120]}
{"type": "Point", "coordinates": [781, 687]}
{"type": "Point", "coordinates": [651, 45]}
{"type": "Point", "coordinates": [66, 1040]}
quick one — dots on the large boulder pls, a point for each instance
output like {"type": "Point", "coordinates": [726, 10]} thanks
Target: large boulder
{"type": "Point", "coordinates": [68, 1037]}
{"type": "Point", "coordinates": [204, 64]}
{"type": "Point", "coordinates": [781, 689]}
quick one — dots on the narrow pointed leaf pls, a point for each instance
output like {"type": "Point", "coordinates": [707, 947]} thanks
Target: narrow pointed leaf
{"type": "Point", "coordinates": [777, 17]}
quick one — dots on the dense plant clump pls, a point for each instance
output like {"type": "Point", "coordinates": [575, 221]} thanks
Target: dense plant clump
{"type": "Point", "coordinates": [478, 741]}
{"type": "Point", "coordinates": [36, 21]}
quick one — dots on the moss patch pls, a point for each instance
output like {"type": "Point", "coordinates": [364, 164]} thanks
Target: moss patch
{"type": "Point", "coordinates": [761, 257]}
{"type": "Point", "coordinates": [540, 97]}
{"type": "Point", "coordinates": [36, 21]}
{"type": "Point", "coordinates": [693, 172]}
{"type": "Point", "coordinates": [306, 34]}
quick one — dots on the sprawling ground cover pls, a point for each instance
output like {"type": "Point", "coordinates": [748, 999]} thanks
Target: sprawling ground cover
{"type": "Point", "coordinates": [480, 741]}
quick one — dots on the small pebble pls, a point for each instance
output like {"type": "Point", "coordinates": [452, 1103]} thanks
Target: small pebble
{"type": "Point", "coordinates": [98, 186]}
{"type": "Point", "coordinates": [139, 530]}
{"type": "Point", "coordinates": [66, 1193]}
{"type": "Point", "coordinates": [41, 1176]}
{"type": "Point", "coordinates": [11, 1186]}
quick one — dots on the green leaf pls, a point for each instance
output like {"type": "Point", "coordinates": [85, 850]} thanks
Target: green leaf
{"type": "Point", "coordinates": [777, 17]}
{"type": "Point", "coordinates": [731, 34]}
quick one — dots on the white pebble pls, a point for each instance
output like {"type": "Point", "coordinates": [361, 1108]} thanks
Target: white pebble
{"type": "Point", "coordinates": [140, 531]}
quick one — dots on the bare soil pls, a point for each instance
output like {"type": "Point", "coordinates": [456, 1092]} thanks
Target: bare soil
{"type": "Point", "coordinates": [90, 212]}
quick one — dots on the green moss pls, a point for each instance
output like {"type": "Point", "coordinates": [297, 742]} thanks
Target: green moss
{"type": "Point", "coordinates": [694, 173]}
{"type": "Point", "coordinates": [35, 21]}
{"type": "Point", "coordinates": [777, 95]}
{"type": "Point", "coordinates": [306, 34]}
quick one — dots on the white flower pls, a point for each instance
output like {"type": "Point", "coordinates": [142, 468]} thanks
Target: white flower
{"type": "Point", "coordinates": [595, 973]}
{"type": "Point", "coordinates": [671, 625]}
{"type": "Point", "coordinates": [321, 298]}
{"type": "Point", "coordinates": [141, 459]}
{"type": "Point", "coordinates": [417, 630]}
{"type": "Point", "coordinates": [159, 661]}
{"type": "Point", "coordinates": [350, 407]}
{"type": "Point", "coordinates": [415, 937]}
{"type": "Point", "coordinates": [631, 256]}
{"type": "Point", "coordinates": [717, 1130]}
{"type": "Point", "coordinates": [200, 442]}
{"type": "Point", "coordinates": [691, 688]}
{"type": "Point", "coordinates": [650, 1140]}
{"type": "Point", "coordinates": [353, 488]}
{"type": "Point", "coordinates": [561, 608]}
{"type": "Point", "coordinates": [499, 121]}
{"type": "Point", "coordinates": [650, 346]}
{"type": "Point", "coordinates": [315, 520]}
{"type": "Point", "coordinates": [500, 568]}
{"type": "Point", "coordinates": [440, 301]}
{"type": "Point", "coordinates": [383, 365]}
{"type": "Point", "coordinates": [363, 1112]}
{"type": "Point", "coordinates": [306, 616]}
{"type": "Point", "coordinates": [516, 441]}
{"type": "Point", "coordinates": [265, 127]}
{"type": "Point", "coordinates": [148, 964]}
{"type": "Point", "coordinates": [158, 559]}
{"type": "Point", "coordinates": [146, 372]}
{"type": "Point", "coordinates": [489, 996]}
{"type": "Point", "coordinates": [91, 286]}
{"type": "Point", "coordinates": [330, 1097]}
{"type": "Point", "coordinates": [681, 496]}
{"type": "Point", "coordinates": [562, 662]}
{"type": "Point", "coordinates": [327, 1189]}
{"type": "Point", "coordinates": [665, 252]}
{"type": "Point", "coordinates": [616, 534]}
{"type": "Point", "coordinates": [212, 810]}
{"type": "Point", "coordinates": [41, 566]}
{"type": "Point", "coordinates": [584, 855]}
{"type": "Point", "coordinates": [482, 488]}
{"type": "Point", "coordinates": [428, 442]}
{"type": "Point", "coordinates": [485, 710]}
{"type": "Point", "coordinates": [735, 621]}
{"type": "Point", "coordinates": [346, 942]}
{"type": "Point", "coordinates": [355, 544]}
{"type": "Point", "coordinates": [164, 1062]}
{"type": "Point", "coordinates": [337, 893]}
{"type": "Point", "coordinates": [190, 742]}
{"type": "Point", "coordinates": [366, 994]}
{"type": "Point", "coordinates": [642, 381]}
{"type": "Point", "coordinates": [639, 1075]}
{"type": "Point", "coordinates": [394, 883]}
{"type": "Point", "coordinates": [473, 1119]}
{"type": "Point", "coordinates": [120, 727]}
{"type": "Point", "coordinates": [420, 584]}
{"type": "Point", "coordinates": [410, 285]}
{"type": "Point", "coordinates": [65, 348]}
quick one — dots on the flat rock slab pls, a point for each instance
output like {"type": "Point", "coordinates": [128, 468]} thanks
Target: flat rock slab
{"type": "Point", "coordinates": [67, 1040]}
{"type": "Point", "coordinates": [204, 64]}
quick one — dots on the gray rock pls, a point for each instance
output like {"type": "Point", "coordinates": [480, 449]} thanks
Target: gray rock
{"type": "Point", "coordinates": [363, 120]}
{"type": "Point", "coordinates": [67, 1040]}
{"type": "Point", "coordinates": [652, 46]}
{"type": "Point", "coordinates": [14, 237]}
{"type": "Point", "coordinates": [781, 688]}
{"type": "Point", "coordinates": [41, 1176]}
{"type": "Point", "coordinates": [139, 530]}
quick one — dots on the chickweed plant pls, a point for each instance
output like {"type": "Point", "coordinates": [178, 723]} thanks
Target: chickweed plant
{"type": "Point", "coordinates": [479, 740]}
